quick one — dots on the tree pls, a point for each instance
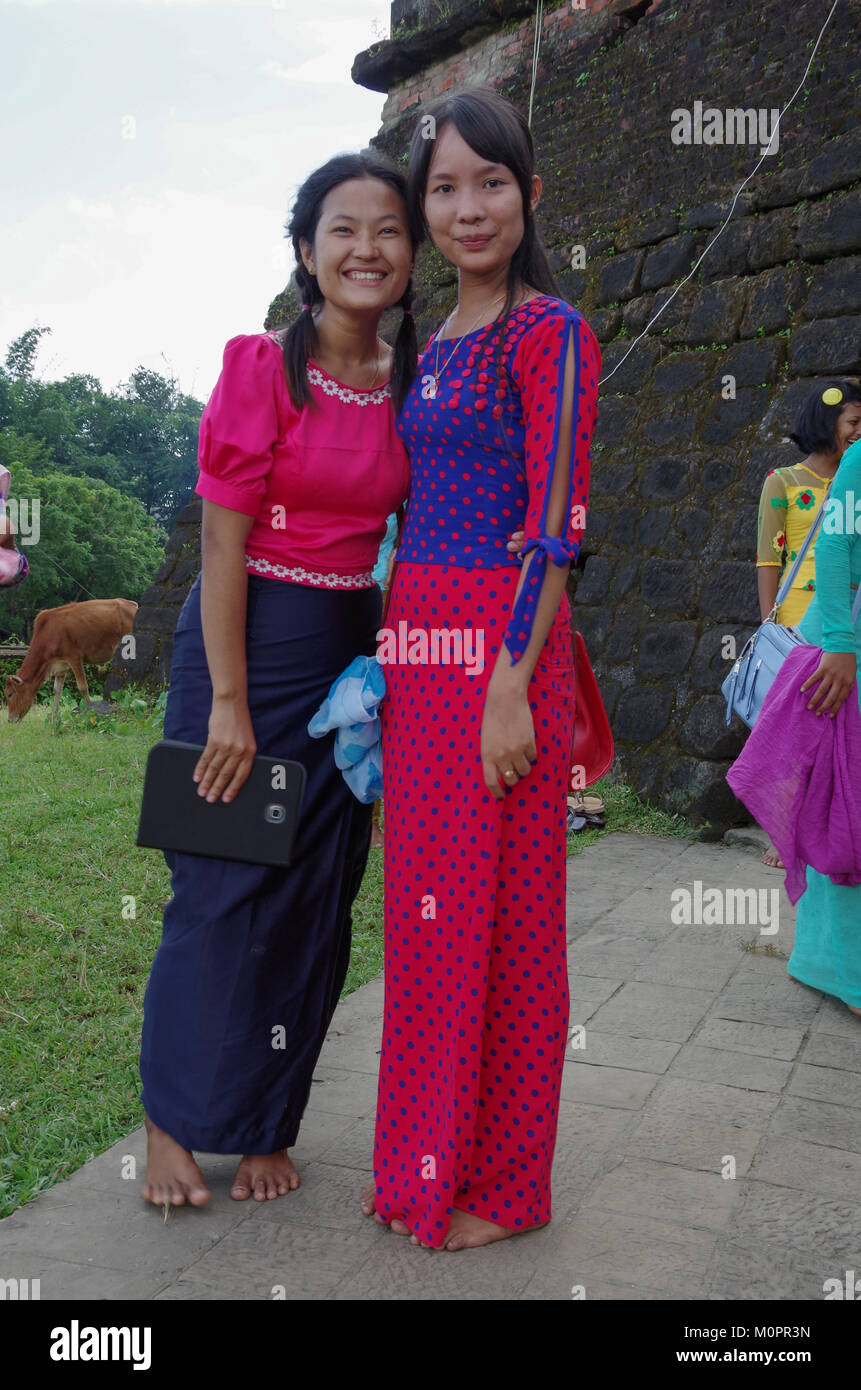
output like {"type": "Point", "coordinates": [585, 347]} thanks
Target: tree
{"type": "Point", "coordinates": [93, 542]}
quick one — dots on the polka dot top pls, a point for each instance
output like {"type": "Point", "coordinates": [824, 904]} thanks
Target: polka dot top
{"type": "Point", "coordinates": [483, 452]}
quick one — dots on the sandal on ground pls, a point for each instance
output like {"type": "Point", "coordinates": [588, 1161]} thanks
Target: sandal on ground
{"type": "Point", "coordinates": [586, 805]}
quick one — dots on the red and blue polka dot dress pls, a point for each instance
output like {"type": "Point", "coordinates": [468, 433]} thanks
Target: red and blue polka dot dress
{"type": "Point", "coordinates": [476, 984]}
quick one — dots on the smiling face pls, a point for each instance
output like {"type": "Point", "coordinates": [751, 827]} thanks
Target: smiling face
{"type": "Point", "coordinates": [848, 427]}
{"type": "Point", "coordinates": [473, 208]}
{"type": "Point", "coordinates": [362, 254]}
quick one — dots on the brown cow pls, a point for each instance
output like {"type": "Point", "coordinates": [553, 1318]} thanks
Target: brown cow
{"type": "Point", "coordinates": [63, 639]}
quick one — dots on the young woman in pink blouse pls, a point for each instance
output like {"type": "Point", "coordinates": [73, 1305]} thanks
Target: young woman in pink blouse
{"type": "Point", "coordinates": [300, 465]}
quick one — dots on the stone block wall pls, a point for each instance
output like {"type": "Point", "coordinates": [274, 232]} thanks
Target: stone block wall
{"type": "Point", "coordinates": [667, 569]}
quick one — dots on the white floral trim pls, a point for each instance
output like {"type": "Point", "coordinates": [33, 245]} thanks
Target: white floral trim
{"type": "Point", "coordinates": [297, 575]}
{"type": "Point", "coordinates": [336, 388]}
{"type": "Point", "coordinates": [346, 393]}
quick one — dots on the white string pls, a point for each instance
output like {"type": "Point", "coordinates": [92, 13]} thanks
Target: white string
{"type": "Point", "coordinates": [710, 244]}
{"type": "Point", "coordinates": [536, 44]}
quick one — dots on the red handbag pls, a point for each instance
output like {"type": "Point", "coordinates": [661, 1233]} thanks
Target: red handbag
{"type": "Point", "coordinates": [592, 746]}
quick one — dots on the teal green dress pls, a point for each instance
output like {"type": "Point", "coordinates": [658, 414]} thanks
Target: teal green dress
{"type": "Point", "coordinates": [827, 952]}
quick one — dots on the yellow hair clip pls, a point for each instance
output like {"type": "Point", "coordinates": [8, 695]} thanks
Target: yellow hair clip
{"type": "Point", "coordinates": [833, 396]}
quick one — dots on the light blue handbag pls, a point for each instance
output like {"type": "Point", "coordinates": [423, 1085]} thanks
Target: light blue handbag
{"type": "Point", "coordinates": [764, 653]}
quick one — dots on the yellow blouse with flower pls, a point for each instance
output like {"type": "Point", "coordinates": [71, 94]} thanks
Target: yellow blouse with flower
{"type": "Point", "coordinates": [790, 499]}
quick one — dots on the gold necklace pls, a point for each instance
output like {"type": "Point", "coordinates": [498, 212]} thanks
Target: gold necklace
{"type": "Point", "coordinates": [440, 369]}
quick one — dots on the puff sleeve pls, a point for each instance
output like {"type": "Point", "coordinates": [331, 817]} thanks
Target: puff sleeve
{"type": "Point", "coordinates": [771, 520]}
{"type": "Point", "coordinates": [539, 367]}
{"type": "Point", "coordinates": [241, 425]}
{"type": "Point", "coordinates": [838, 555]}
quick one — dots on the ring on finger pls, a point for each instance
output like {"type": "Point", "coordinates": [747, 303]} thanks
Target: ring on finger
{"type": "Point", "coordinates": [509, 774]}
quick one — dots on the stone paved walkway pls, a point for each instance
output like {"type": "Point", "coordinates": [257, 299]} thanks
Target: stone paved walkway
{"type": "Point", "coordinates": [696, 1050]}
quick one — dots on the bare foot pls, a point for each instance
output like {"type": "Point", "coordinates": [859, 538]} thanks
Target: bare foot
{"type": "Point", "coordinates": [267, 1175]}
{"type": "Point", "coordinates": [171, 1173]}
{"type": "Point", "coordinates": [852, 1009]}
{"type": "Point", "coordinates": [467, 1231]}
{"type": "Point", "coordinates": [772, 858]}
{"type": "Point", "coordinates": [369, 1198]}
{"type": "Point", "coordinates": [376, 837]}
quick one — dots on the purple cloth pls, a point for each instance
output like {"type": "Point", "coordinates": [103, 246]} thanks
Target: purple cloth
{"type": "Point", "coordinates": [798, 776]}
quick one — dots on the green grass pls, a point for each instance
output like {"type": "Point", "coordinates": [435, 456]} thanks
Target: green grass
{"type": "Point", "coordinates": [74, 961]}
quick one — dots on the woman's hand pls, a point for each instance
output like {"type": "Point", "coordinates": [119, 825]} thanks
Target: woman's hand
{"type": "Point", "coordinates": [836, 676]}
{"type": "Point", "coordinates": [515, 543]}
{"type": "Point", "coordinates": [507, 740]}
{"type": "Point", "coordinates": [228, 757]}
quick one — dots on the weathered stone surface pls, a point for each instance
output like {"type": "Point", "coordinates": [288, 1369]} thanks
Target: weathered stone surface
{"type": "Point", "coordinates": [831, 227]}
{"type": "Point", "coordinates": [605, 323]}
{"type": "Point", "coordinates": [705, 734]}
{"type": "Point", "coordinates": [616, 416]}
{"type": "Point", "coordinates": [727, 419]}
{"type": "Point", "coordinates": [834, 165]}
{"type": "Point", "coordinates": [622, 639]}
{"type": "Point", "coordinates": [730, 252]}
{"type": "Point", "coordinates": [648, 233]}
{"type": "Point", "coordinates": [772, 239]}
{"type": "Point", "coordinates": [620, 277]}
{"type": "Point", "coordinates": [716, 475]}
{"type": "Point", "coordinates": [641, 715]}
{"type": "Point", "coordinates": [829, 345]}
{"type": "Point", "coordinates": [666, 478]}
{"type": "Point", "coordinates": [752, 364]}
{"type": "Point", "coordinates": [626, 368]}
{"type": "Point", "coordinates": [669, 262]}
{"type": "Point", "coordinates": [699, 790]}
{"type": "Point", "coordinates": [669, 585]}
{"type": "Point", "coordinates": [637, 312]}
{"type": "Point", "coordinates": [730, 595]}
{"type": "Point", "coordinates": [683, 371]}
{"type": "Point", "coordinates": [595, 584]}
{"type": "Point", "coordinates": [675, 419]}
{"type": "Point", "coordinates": [775, 297]}
{"type": "Point", "coordinates": [652, 527]}
{"type": "Point", "coordinates": [594, 624]}
{"type": "Point", "coordinates": [716, 313]}
{"type": "Point", "coordinates": [156, 620]}
{"type": "Point", "coordinates": [665, 649]}
{"type": "Point", "coordinates": [835, 288]}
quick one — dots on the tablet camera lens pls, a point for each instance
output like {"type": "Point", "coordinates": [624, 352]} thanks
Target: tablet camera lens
{"type": "Point", "coordinates": [274, 813]}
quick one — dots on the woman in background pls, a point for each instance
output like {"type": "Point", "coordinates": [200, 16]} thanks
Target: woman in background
{"type": "Point", "coordinates": [827, 422]}
{"type": "Point", "coordinates": [827, 952]}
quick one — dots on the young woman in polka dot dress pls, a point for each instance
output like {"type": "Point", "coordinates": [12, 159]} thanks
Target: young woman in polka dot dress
{"type": "Point", "coordinates": [476, 761]}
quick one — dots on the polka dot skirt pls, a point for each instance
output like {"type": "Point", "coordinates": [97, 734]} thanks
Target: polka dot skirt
{"type": "Point", "coordinates": [476, 985]}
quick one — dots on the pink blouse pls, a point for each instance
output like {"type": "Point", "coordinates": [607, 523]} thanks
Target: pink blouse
{"type": "Point", "coordinates": [319, 483]}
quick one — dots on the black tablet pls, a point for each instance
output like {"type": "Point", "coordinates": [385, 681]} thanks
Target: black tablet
{"type": "Point", "coordinates": [257, 827]}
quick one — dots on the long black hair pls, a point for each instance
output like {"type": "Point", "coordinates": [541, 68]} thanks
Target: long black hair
{"type": "Point", "coordinates": [300, 339]}
{"type": "Point", "coordinates": [499, 133]}
{"type": "Point", "coordinates": [815, 427]}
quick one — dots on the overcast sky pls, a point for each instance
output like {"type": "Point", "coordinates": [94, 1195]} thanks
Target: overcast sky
{"type": "Point", "coordinates": [151, 150]}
